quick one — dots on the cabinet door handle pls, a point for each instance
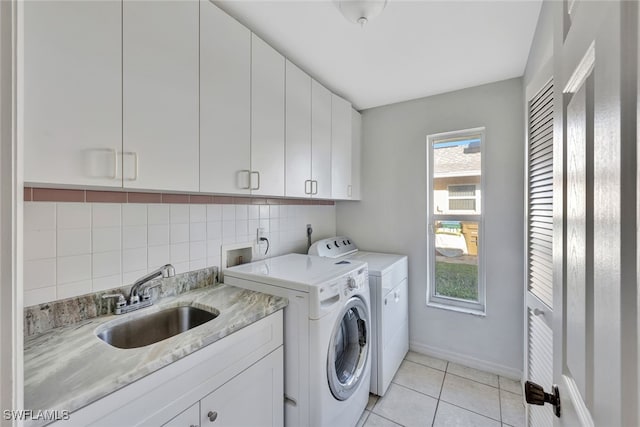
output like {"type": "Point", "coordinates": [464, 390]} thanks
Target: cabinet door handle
{"type": "Point", "coordinates": [349, 190]}
{"type": "Point", "coordinates": [213, 415]}
{"type": "Point", "coordinates": [308, 181]}
{"type": "Point", "coordinates": [312, 190]}
{"type": "Point", "coordinates": [248, 172]}
{"type": "Point", "coordinates": [115, 163]}
{"type": "Point", "coordinates": [135, 164]}
{"type": "Point", "coordinates": [257, 187]}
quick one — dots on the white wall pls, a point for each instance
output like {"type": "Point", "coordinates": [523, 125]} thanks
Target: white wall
{"type": "Point", "coordinates": [541, 51]}
{"type": "Point", "coordinates": [392, 216]}
{"type": "Point", "coordinates": [72, 249]}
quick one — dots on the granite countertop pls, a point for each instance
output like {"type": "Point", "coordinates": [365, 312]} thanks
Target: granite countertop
{"type": "Point", "coordinates": [69, 367]}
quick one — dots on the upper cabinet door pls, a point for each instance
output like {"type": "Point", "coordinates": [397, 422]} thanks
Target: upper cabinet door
{"type": "Point", "coordinates": [341, 187]}
{"type": "Point", "coordinates": [321, 140]}
{"type": "Point", "coordinates": [225, 102]}
{"type": "Point", "coordinates": [356, 154]}
{"type": "Point", "coordinates": [267, 119]}
{"type": "Point", "coordinates": [72, 92]}
{"type": "Point", "coordinates": [160, 78]}
{"type": "Point", "coordinates": [298, 132]}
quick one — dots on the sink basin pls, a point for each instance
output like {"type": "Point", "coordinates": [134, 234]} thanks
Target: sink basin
{"type": "Point", "coordinates": [155, 327]}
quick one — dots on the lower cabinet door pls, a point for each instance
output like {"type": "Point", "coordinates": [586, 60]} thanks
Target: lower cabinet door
{"type": "Point", "coordinates": [253, 398]}
{"type": "Point", "coordinates": [188, 418]}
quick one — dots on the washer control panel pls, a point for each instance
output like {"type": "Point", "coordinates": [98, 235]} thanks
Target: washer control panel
{"type": "Point", "coordinates": [356, 281]}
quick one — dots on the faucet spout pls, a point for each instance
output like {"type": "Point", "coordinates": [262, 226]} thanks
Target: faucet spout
{"type": "Point", "coordinates": [165, 271]}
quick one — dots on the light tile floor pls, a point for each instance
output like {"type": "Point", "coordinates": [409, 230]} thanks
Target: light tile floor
{"type": "Point", "coordinates": [431, 392]}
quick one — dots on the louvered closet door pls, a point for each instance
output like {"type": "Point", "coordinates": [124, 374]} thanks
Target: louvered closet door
{"type": "Point", "coordinates": [539, 296]}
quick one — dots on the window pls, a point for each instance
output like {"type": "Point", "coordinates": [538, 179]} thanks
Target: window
{"type": "Point", "coordinates": [455, 188]}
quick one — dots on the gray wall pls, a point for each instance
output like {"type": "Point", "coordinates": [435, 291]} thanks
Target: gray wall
{"type": "Point", "coordinates": [539, 65]}
{"type": "Point", "coordinates": [392, 216]}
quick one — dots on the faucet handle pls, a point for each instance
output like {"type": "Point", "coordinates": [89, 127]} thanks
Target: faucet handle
{"type": "Point", "coordinates": [145, 293]}
{"type": "Point", "coordinates": [121, 302]}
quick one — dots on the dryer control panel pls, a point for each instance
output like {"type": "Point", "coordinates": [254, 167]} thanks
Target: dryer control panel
{"type": "Point", "coordinates": [333, 247]}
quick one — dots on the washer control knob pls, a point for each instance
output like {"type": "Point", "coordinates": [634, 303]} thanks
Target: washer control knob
{"type": "Point", "coordinates": [352, 283]}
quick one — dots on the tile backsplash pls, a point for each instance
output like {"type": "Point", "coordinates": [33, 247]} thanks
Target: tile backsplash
{"type": "Point", "coordinates": [71, 249]}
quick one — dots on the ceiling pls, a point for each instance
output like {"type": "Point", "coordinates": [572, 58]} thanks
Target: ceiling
{"type": "Point", "coordinates": [411, 50]}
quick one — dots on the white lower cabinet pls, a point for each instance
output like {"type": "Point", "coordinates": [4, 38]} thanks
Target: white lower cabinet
{"type": "Point", "coordinates": [190, 417]}
{"type": "Point", "coordinates": [236, 381]}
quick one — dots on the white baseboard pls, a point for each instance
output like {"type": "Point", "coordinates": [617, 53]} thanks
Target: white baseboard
{"type": "Point", "coordinates": [463, 359]}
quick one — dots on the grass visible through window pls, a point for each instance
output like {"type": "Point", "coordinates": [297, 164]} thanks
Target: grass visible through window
{"type": "Point", "coordinates": [457, 280]}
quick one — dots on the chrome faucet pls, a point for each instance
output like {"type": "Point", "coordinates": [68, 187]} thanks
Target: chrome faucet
{"type": "Point", "coordinates": [164, 271]}
{"type": "Point", "coordinates": [135, 301]}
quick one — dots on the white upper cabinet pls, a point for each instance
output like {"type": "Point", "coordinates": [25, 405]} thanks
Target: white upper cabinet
{"type": "Point", "coordinates": [160, 95]}
{"type": "Point", "coordinates": [321, 140]}
{"type": "Point", "coordinates": [71, 92]}
{"type": "Point", "coordinates": [341, 186]}
{"type": "Point", "coordinates": [225, 102]}
{"type": "Point", "coordinates": [298, 132]}
{"type": "Point", "coordinates": [267, 119]}
{"type": "Point", "coordinates": [356, 154]}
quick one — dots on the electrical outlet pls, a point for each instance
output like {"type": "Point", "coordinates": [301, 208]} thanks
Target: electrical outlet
{"type": "Point", "coordinates": [259, 234]}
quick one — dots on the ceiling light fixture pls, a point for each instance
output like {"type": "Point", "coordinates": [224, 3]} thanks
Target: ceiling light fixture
{"type": "Point", "coordinates": [360, 11]}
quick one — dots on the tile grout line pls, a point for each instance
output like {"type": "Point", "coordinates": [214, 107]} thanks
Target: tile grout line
{"type": "Point", "coordinates": [435, 413]}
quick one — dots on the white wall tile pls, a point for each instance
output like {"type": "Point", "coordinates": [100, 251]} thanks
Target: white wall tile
{"type": "Point", "coordinates": [241, 228]}
{"type": "Point", "coordinates": [197, 264]}
{"type": "Point", "coordinates": [106, 239]}
{"type": "Point", "coordinates": [73, 215]}
{"type": "Point", "coordinates": [39, 216]}
{"type": "Point", "coordinates": [197, 231]}
{"type": "Point", "coordinates": [197, 250]}
{"type": "Point", "coordinates": [214, 248]}
{"type": "Point", "coordinates": [252, 227]}
{"type": "Point", "coordinates": [264, 224]}
{"type": "Point", "coordinates": [213, 261]}
{"type": "Point", "coordinates": [214, 230]}
{"type": "Point", "coordinates": [241, 212]}
{"type": "Point", "coordinates": [74, 289]}
{"type": "Point", "coordinates": [39, 273]}
{"type": "Point", "coordinates": [157, 214]}
{"type": "Point", "coordinates": [73, 268]}
{"type": "Point", "coordinates": [134, 260]}
{"type": "Point", "coordinates": [284, 211]}
{"type": "Point", "coordinates": [253, 212]}
{"type": "Point", "coordinates": [228, 212]}
{"type": "Point", "coordinates": [39, 244]}
{"type": "Point", "coordinates": [179, 253]}
{"type": "Point", "coordinates": [106, 215]}
{"type": "Point", "coordinates": [264, 211]}
{"type": "Point", "coordinates": [179, 233]}
{"type": "Point", "coordinates": [74, 241]}
{"type": "Point", "coordinates": [134, 236]}
{"type": "Point", "coordinates": [134, 214]}
{"type": "Point", "coordinates": [228, 231]}
{"type": "Point", "coordinates": [106, 264]}
{"type": "Point", "coordinates": [274, 211]}
{"type": "Point", "coordinates": [179, 214]}
{"type": "Point", "coordinates": [197, 213]}
{"type": "Point", "coordinates": [274, 224]}
{"type": "Point", "coordinates": [158, 235]}
{"type": "Point", "coordinates": [39, 296]}
{"type": "Point", "coordinates": [214, 213]}
{"type": "Point", "coordinates": [131, 277]}
{"type": "Point", "coordinates": [157, 256]}
{"type": "Point", "coordinates": [108, 282]}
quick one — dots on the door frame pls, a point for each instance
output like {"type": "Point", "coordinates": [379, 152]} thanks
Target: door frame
{"type": "Point", "coordinates": [11, 203]}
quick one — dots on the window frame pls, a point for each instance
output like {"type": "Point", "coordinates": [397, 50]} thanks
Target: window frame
{"type": "Point", "coordinates": [475, 197]}
{"type": "Point", "coordinates": [432, 299]}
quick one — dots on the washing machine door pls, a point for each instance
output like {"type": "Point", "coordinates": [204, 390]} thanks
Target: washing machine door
{"type": "Point", "coordinates": [348, 349]}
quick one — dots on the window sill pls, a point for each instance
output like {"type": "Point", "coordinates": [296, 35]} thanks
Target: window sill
{"type": "Point", "coordinates": [474, 312]}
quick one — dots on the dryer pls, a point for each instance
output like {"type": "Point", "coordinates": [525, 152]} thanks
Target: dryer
{"type": "Point", "coordinates": [388, 284]}
{"type": "Point", "coordinates": [326, 334]}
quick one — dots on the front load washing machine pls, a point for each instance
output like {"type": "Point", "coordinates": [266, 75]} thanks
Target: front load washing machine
{"type": "Point", "coordinates": [326, 334]}
{"type": "Point", "coordinates": [388, 283]}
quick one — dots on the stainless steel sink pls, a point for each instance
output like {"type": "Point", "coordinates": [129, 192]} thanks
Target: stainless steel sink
{"type": "Point", "coordinates": [155, 327]}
